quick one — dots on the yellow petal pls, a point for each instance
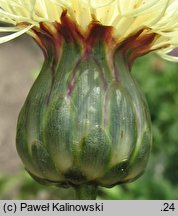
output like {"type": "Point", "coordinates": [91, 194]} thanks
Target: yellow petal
{"type": "Point", "coordinates": [14, 35]}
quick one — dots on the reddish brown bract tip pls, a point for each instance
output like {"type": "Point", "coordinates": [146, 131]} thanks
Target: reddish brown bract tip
{"type": "Point", "coordinates": [136, 45]}
{"type": "Point", "coordinates": [51, 37]}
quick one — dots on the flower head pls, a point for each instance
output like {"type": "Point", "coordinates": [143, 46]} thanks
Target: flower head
{"type": "Point", "coordinates": [85, 120]}
{"type": "Point", "coordinates": [126, 17]}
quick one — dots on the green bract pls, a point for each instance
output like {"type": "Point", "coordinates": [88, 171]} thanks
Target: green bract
{"type": "Point", "coordinates": [85, 121]}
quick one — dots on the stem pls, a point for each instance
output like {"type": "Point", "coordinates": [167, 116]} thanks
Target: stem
{"type": "Point", "coordinates": [85, 192]}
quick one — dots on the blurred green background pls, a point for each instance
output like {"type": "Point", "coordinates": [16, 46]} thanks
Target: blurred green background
{"type": "Point", "coordinates": [159, 81]}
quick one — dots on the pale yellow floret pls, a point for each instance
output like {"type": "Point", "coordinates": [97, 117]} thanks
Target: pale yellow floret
{"type": "Point", "coordinates": [127, 17]}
